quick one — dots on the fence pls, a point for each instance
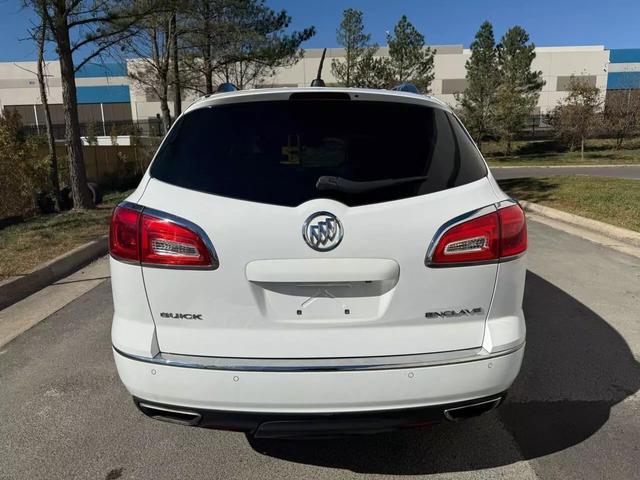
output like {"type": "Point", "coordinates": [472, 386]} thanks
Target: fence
{"type": "Point", "coordinates": [145, 128]}
{"type": "Point", "coordinates": [537, 126]}
{"type": "Point", "coordinates": [112, 167]}
{"type": "Point", "coordinates": [116, 167]}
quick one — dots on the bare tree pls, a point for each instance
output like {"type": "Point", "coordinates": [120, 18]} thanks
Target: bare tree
{"type": "Point", "coordinates": [175, 59]}
{"type": "Point", "coordinates": [51, 142]}
{"type": "Point", "coordinates": [91, 27]}
{"type": "Point", "coordinates": [577, 116]}
{"type": "Point", "coordinates": [622, 111]}
{"type": "Point", "coordinates": [152, 46]}
{"type": "Point", "coordinates": [39, 35]}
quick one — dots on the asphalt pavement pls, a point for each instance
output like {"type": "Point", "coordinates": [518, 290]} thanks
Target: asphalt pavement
{"type": "Point", "coordinates": [573, 413]}
{"type": "Point", "coordinates": [616, 171]}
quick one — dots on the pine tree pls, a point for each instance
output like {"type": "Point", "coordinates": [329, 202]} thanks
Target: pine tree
{"type": "Point", "coordinates": [409, 59]}
{"type": "Point", "coordinates": [359, 66]}
{"type": "Point", "coordinates": [370, 71]}
{"type": "Point", "coordinates": [478, 102]}
{"type": "Point", "coordinates": [519, 86]}
{"type": "Point", "coordinates": [237, 41]}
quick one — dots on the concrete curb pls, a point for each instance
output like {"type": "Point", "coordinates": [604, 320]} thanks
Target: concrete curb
{"type": "Point", "coordinates": [615, 233]}
{"type": "Point", "coordinates": [15, 289]}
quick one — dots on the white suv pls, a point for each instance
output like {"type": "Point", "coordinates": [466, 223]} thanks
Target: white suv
{"type": "Point", "coordinates": [317, 261]}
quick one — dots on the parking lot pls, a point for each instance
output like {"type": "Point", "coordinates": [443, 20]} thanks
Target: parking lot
{"type": "Point", "coordinates": [574, 411]}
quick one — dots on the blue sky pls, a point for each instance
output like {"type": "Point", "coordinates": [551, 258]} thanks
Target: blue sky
{"type": "Point", "coordinates": [615, 24]}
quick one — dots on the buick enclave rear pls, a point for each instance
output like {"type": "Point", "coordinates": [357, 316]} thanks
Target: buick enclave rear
{"type": "Point", "coordinates": [317, 261]}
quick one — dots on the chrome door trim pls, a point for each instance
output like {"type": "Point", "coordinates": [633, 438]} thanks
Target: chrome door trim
{"type": "Point", "coordinates": [321, 364]}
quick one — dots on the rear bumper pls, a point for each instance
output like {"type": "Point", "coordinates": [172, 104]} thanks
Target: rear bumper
{"type": "Point", "coordinates": [288, 425]}
{"type": "Point", "coordinates": [311, 394]}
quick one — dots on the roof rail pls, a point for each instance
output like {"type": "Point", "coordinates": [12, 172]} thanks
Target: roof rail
{"type": "Point", "coordinates": [406, 87]}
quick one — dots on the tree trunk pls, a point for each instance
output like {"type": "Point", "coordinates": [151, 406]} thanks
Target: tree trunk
{"type": "Point", "coordinates": [582, 148]}
{"type": "Point", "coordinates": [164, 107]}
{"type": "Point", "coordinates": [208, 70]}
{"type": "Point", "coordinates": [177, 87]}
{"type": "Point", "coordinates": [348, 62]}
{"type": "Point", "coordinates": [77, 174]}
{"type": "Point", "coordinates": [166, 116]}
{"type": "Point", "coordinates": [206, 57]}
{"type": "Point", "coordinates": [53, 156]}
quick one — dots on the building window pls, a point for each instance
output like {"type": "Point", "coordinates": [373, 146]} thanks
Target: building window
{"type": "Point", "coordinates": [623, 81]}
{"type": "Point", "coordinates": [562, 84]}
{"type": "Point", "coordinates": [454, 85]}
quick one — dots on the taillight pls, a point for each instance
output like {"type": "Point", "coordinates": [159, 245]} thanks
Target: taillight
{"type": "Point", "coordinates": [513, 231]}
{"type": "Point", "coordinates": [493, 236]}
{"type": "Point", "coordinates": [166, 243]}
{"type": "Point", "coordinates": [123, 234]}
{"type": "Point", "coordinates": [152, 240]}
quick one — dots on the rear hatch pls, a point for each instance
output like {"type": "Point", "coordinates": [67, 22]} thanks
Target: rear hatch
{"type": "Point", "coordinates": [247, 173]}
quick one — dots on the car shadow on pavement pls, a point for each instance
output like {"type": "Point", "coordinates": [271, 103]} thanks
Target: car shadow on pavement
{"type": "Point", "coordinates": [576, 368]}
{"type": "Point", "coordinates": [533, 189]}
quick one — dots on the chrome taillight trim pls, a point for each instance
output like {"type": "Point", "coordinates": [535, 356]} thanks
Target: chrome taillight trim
{"type": "Point", "coordinates": [452, 223]}
{"type": "Point", "coordinates": [215, 262]}
{"type": "Point", "coordinates": [130, 206]}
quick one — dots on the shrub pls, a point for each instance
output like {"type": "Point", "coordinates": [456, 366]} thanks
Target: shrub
{"type": "Point", "coordinates": [577, 117]}
{"type": "Point", "coordinates": [23, 168]}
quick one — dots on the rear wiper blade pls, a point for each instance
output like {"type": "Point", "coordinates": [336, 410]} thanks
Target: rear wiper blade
{"type": "Point", "coordinates": [349, 186]}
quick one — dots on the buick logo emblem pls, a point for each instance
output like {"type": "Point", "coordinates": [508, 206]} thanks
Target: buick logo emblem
{"type": "Point", "coordinates": [322, 231]}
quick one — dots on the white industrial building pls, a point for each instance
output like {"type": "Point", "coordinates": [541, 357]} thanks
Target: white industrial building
{"type": "Point", "coordinates": [107, 96]}
{"type": "Point", "coordinates": [557, 64]}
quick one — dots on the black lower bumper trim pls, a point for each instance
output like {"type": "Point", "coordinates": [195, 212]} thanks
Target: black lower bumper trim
{"type": "Point", "coordinates": [287, 425]}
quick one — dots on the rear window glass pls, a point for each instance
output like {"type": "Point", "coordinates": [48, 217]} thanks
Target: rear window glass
{"type": "Point", "coordinates": [276, 151]}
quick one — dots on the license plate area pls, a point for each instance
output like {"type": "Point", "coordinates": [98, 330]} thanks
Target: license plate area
{"type": "Point", "coordinates": [324, 302]}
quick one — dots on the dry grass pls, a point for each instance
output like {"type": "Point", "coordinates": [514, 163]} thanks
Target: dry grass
{"type": "Point", "coordinates": [610, 200]}
{"type": "Point", "coordinates": [44, 237]}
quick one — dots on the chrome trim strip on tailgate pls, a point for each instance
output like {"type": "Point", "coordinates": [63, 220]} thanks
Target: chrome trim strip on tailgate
{"type": "Point", "coordinates": [321, 364]}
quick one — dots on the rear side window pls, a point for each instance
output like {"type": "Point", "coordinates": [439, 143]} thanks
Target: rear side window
{"type": "Point", "coordinates": [275, 151]}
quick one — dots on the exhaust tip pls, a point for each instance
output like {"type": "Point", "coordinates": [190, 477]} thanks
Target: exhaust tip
{"type": "Point", "coordinates": [457, 414]}
{"type": "Point", "coordinates": [171, 415]}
